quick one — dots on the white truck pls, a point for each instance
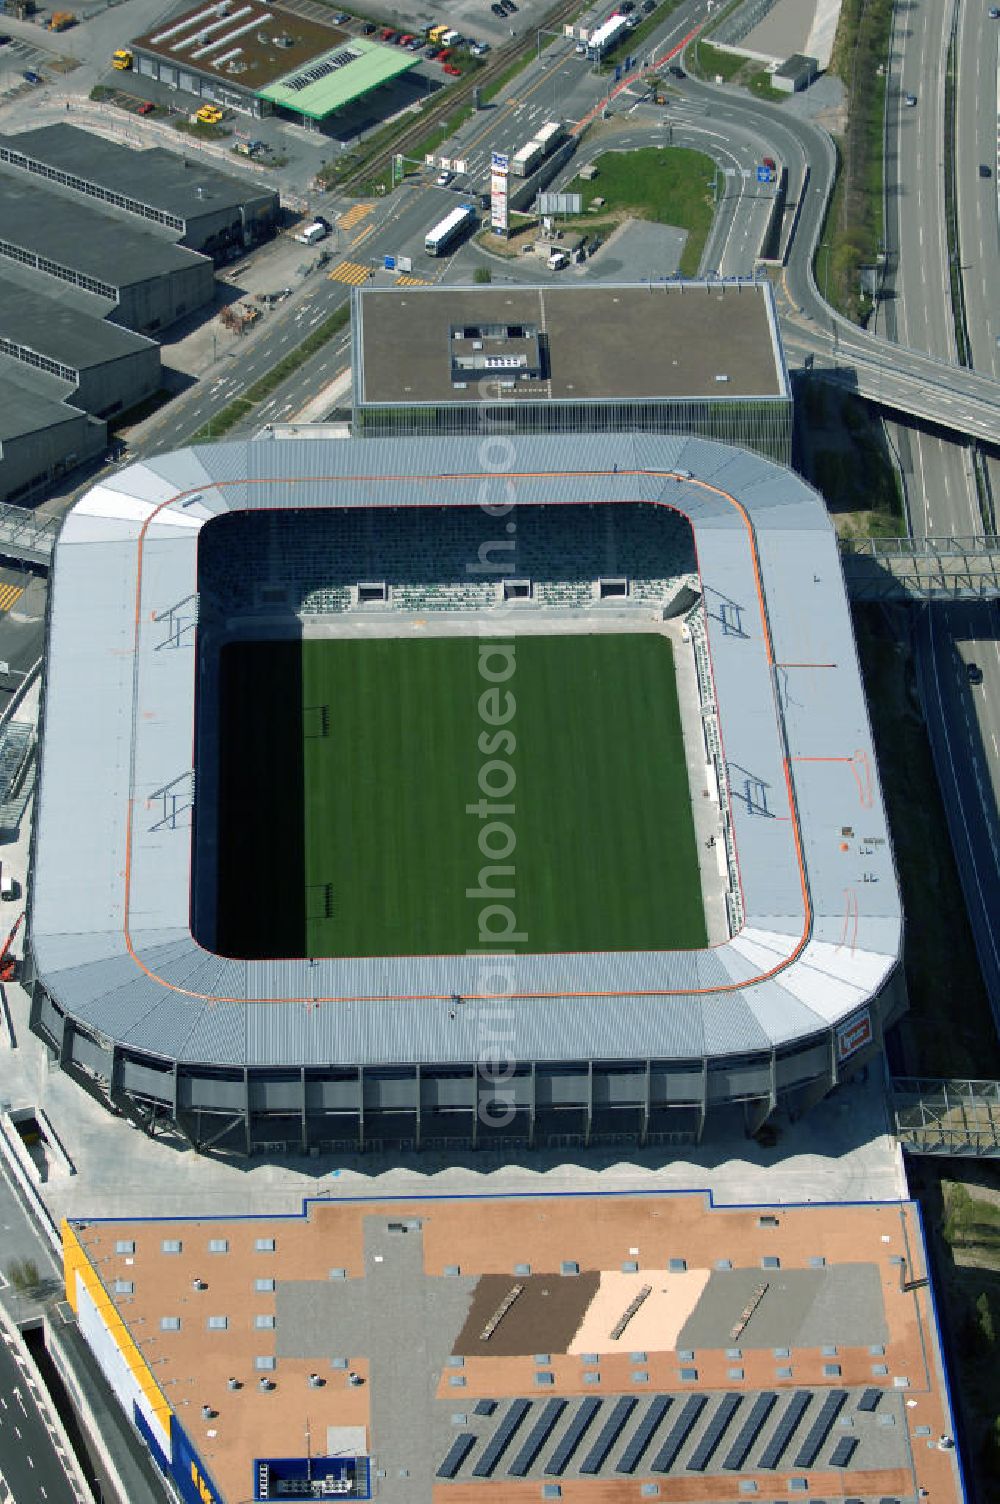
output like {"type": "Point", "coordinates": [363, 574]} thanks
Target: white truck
{"type": "Point", "coordinates": [310, 234]}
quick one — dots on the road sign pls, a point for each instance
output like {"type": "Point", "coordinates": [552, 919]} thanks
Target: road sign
{"type": "Point", "coordinates": [389, 263]}
{"type": "Point", "coordinates": [764, 174]}
{"type": "Point", "coordinates": [500, 161]}
{"type": "Point", "coordinates": [499, 218]}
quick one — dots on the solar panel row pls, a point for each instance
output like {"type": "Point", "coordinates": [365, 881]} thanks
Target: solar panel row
{"type": "Point", "coordinates": [709, 1443]}
{"type": "Point", "coordinates": [629, 1459]}
{"type": "Point", "coordinates": [579, 1426]}
{"type": "Point", "coordinates": [820, 1428]}
{"type": "Point", "coordinates": [608, 1435]}
{"type": "Point", "coordinates": [679, 1433]}
{"type": "Point", "coordinates": [785, 1429]}
{"type": "Point", "coordinates": [501, 1438]}
{"type": "Point", "coordinates": [665, 1459]}
{"type": "Point", "coordinates": [536, 1438]}
{"type": "Point", "coordinates": [457, 1453]}
{"type": "Point", "coordinates": [750, 1430]}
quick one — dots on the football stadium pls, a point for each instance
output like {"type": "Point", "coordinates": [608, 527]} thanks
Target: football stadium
{"type": "Point", "coordinates": [459, 793]}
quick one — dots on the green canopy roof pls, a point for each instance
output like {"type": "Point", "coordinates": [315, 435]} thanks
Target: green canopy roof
{"type": "Point", "coordinates": [326, 84]}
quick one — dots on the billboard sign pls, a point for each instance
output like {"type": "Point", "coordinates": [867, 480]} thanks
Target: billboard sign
{"type": "Point", "coordinates": [560, 203]}
{"type": "Point", "coordinates": [499, 168]}
{"type": "Point", "coordinates": [854, 1035]}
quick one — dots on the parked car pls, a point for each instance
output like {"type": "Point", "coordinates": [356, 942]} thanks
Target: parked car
{"type": "Point", "coordinates": [454, 72]}
{"type": "Point", "coordinates": [974, 673]}
{"type": "Point", "coordinates": [984, 171]}
{"type": "Point", "coordinates": [368, 28]}
{"type": "Point", "coordinates": [995, 12]}
{"type": "Point", "coordinates": [648, 7]}
{"type": "Point", "coordinates": [146, 108]}
{"type": "Point", "coordinates": [4, 39]}
{"type": "Point", "coordinates": [342, 17]}
{"type": "Point", "coordinates": [30, 77]}
{"type": "Point", "coordinates": [444, 178]}
{"type": "Point", "coordinates": [626, 7]}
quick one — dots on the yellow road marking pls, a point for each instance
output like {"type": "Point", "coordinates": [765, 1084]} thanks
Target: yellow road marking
{"type": "Point", "coordinates": [412, 282]}
{"type": "Point", "coordinates": [9, 594]}
{"type": "Point", "coordinates": [360, 211]}
{"type": "Point", "coordinates": [351, 272]}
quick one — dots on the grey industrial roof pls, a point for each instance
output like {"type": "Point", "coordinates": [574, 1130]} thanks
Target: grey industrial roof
{"type": "Point", "coordinates": [58, 327]}
{"type": "Point", "coordinates": [666, 339]}
{"type": "Point", "coordinates": [177, 185]}
{"type": "Point", "coordinates": [55, 224]}
{"type": "Point", "coordinates": [110, 902]}
{"type": "Point", "coordinates": [31, 401]}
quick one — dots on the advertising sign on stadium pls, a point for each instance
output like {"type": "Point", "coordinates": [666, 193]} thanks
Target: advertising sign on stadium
{"type": "Point", "coordinates": [854, 1035]}
{"type": "Point", "coordinates": [499, 167]}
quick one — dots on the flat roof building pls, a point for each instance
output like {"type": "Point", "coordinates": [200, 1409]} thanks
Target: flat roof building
{"type": "Point", "coordinates": [670, 357]}
{"type": "Point", "coordinates": [497, 1348]}
{"type": "Point", "coordinates": [263, 60]}
{"type": "Point", "coordinates": [107, 368]}
{"type": "Point", "coordinates": [42, 434]}
{"type": "Point", "coordinates": [196, 206]}
{"type": "Point", "coordinates": [145, 280]}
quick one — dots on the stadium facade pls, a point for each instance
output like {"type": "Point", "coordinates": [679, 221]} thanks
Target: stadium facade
{"type": "Point", "coordinates": [672, 357]}
{"type": "Point", "coordinates": [399, 1052]}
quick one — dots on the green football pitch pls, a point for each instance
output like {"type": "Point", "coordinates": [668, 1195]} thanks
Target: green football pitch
{"type": "Point", "coordinates": [346, 772]}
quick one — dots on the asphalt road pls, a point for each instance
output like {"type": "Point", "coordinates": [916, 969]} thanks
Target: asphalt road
{"type": "Point", "coordinates": [31, 1465]}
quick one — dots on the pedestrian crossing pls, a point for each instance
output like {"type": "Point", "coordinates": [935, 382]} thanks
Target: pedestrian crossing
{"type": "Point", "coordinates": [412, 282]}
{"type": "Point", "coordinates": [351, 272]}
{"type": "Point", "coordinates": [9, 595]}
{"type": "Point", "coordinates": [354, 216]}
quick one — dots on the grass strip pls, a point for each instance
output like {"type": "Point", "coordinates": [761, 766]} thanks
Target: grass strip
{"type": "Point", "coordinates": [854, 222]}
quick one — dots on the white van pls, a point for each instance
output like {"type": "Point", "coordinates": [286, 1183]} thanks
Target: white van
{"type": "Point", "coordinates": [557, 260]}
{"type": "Point", "coordinates": [9, 888]}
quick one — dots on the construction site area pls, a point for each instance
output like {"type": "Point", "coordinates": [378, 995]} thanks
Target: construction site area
{"type": "Point", "coordinates": [586, 1348]}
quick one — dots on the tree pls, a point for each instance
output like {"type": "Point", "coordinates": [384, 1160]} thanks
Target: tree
{"type": "Point", "coordinates": [24, 1276]}
{"type": "Point", "coordinates": [984, 1313]}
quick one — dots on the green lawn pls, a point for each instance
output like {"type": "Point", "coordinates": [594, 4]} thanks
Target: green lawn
{"type": "Point", "coordinates": [353, 762]}
{"type": "Point", "coordinates": [670, 184]}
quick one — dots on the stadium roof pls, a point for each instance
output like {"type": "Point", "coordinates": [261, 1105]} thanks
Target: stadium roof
{"type": "Point", "coordinates": [110, 911]}
{"type": "Point", "coordinates": [174, 184]}
{"type": "Point", "coordinates": [335, 88]}
{"type": "Point", "coordinates": [57, 227]}
{"type": "Point", "coordinates": [668, 340]}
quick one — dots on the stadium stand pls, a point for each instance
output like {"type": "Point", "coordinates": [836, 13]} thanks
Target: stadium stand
{"type": "Point", "coordinates": [438, 562]}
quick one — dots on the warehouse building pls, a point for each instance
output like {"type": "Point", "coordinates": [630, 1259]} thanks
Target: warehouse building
{"type": "Point", "coordinates": [136, 278]}
{"type": "Point", "coordinates": [41, 435]}
{"type": "Point", "coordinates": [193, 205]}
{"type": "Point", "coordinates": [265, 61]}
{"type": "Point", "coordinates": [47, 327]}
{"type": "Point", "coordinates": [672, 357]}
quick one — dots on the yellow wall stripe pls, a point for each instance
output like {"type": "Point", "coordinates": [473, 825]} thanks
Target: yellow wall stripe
{"type": "Point", "coordinates": [76, 1264]}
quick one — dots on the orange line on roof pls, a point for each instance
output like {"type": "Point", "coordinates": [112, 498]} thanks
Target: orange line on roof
{"type": "Point", "coordinates": [429, 997]}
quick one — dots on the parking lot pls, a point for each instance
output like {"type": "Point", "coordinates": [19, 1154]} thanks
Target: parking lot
{"type": "Point", "coordinates": [18, 57]}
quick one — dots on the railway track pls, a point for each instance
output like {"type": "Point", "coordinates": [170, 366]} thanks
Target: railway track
{"type": "Point", "coordinates": [455, 97]}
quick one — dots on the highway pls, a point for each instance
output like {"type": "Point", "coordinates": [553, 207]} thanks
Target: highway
{"type": "Point", "coordinates": [31, 1451]}
{"type": "Point", "coordinates": [963, 719]}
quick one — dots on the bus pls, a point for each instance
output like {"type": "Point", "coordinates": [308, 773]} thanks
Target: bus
{"type": "Point", "coordinates": [448, 231]}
